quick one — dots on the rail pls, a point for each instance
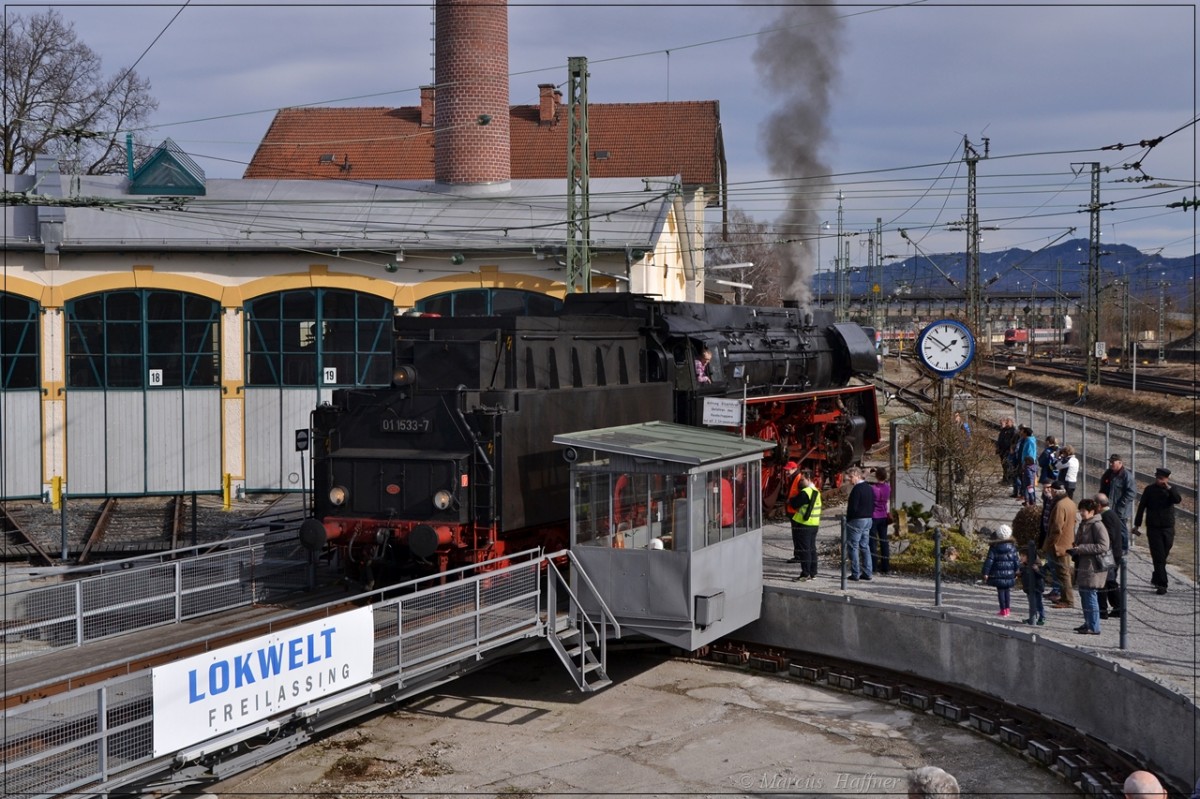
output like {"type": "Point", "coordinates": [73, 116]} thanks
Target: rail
{"type": "Point", "coordinates": [578, 656]}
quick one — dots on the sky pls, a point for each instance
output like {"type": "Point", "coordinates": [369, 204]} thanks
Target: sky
{"type": "Point", "coordinates": [878, 99]}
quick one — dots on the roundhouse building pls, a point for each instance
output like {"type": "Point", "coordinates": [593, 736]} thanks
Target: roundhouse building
{"type": "Point", "coordinates": [163, 333]}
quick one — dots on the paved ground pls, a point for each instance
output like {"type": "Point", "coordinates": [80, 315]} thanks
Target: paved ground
{"type": "Point", "coordinates": [691, 729]}
{"type": "Point", "coordinates": [674, 728]}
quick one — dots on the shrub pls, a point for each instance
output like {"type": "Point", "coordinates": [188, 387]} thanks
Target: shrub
{"type": "Point", "coordinates": [962, 555]}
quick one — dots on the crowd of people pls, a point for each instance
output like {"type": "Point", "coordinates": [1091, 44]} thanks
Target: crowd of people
{"type": "Point", "coordinates": [1078, 550]}
{"type": "Point", "coordinates": [1080, 545]}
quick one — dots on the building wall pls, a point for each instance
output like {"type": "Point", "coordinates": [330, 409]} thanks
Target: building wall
{"type": "Point", "coordinates": [231, 280]}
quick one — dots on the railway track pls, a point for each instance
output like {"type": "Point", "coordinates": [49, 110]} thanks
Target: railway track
{"type": "Point", "coordinates": [1148, 379]}
{"type": "Point", "coordinates": [113, 528]}
{"type": "Point", "coordinates": [1092, 766]}
{"type": "Point", "coordinates": [18, 543]}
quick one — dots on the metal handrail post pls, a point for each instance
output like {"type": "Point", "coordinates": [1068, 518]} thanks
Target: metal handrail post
{"type": "Point", "coordinates": [1123, 571]}
{"type": "Point", "coordinates": [937, 567]}
{"type": "Point", "coordinates": [1083, 448]}
{"type": "Point", "coordinates": [845, 548]}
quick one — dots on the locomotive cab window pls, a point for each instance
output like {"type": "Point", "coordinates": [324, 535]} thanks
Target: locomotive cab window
{"type": "Point", "coordinates": [706, 364]}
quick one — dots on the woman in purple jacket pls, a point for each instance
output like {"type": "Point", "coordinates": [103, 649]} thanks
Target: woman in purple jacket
{"type": "Point", "coordinates": [880, 518]}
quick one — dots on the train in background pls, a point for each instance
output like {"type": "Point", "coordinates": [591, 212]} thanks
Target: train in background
{"type": "Point", "coordinates": [1041, 337]}
{"type": "Point", "coordinates": [453, 464]}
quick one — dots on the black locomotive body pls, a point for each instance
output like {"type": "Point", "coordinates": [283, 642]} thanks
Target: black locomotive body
{"type": "Point", "coordinates": [454, 463]}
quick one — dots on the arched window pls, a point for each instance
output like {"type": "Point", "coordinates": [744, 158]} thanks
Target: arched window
{"type": "Point", "coordinates": [312, 337]}
{"type": "Point", "coordinates": [18, 342]}
{"type": "Point", "coordinates": [489, 302]}
{"type": "Point", "coordinates": [142, 338]}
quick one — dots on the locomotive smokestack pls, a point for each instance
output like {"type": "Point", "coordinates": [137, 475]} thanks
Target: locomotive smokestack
{"type": "Point", "coordinates": [798, 58]}
{"type": "Point", "coordinates": [471, 142]}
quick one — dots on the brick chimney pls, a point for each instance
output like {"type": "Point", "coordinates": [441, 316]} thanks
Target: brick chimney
{"type": "Point", "coordinates": [471, 141]}
{"type": "Point", "coordinates": [548, 99]}
{"type": "Point", "coordinates": [428, 104]}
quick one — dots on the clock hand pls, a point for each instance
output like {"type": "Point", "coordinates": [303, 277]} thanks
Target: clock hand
{"type": "Point", "coordinates": [939, 343]}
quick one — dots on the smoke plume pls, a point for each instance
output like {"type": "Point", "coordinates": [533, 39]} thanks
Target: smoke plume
{"type": "Point", "coordinates": [797, 59]}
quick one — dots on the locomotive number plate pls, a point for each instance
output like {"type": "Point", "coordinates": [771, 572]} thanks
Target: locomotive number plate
{"type": "Point", "coordinates": [394, 425]}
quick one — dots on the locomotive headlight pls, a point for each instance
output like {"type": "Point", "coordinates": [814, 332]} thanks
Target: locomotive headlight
{"type": "Point", "coordinates": [337, 495]}
{"type": "Point", "coordinates": [442, 499]}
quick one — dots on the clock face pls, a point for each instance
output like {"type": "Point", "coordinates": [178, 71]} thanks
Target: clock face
{"type": "Point", "coordinates": [946, 347]}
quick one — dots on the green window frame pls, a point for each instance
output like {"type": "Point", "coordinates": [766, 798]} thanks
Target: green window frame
{"type": "Point", "coordinates": [302, 337]}
{"type": "Point", "coordinates": [19, 336]}
{"type": "Point", "coordinates": [489, 302]}
{"type": "Point", "coordinates": [143, 338]}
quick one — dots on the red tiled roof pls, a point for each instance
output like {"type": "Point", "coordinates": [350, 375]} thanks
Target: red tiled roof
{"type": "Point", "coordinates": [640, 140]}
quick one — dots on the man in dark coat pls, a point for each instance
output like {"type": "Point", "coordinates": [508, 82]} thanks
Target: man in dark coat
{"type": "Point", "coordinates": [1005, 440]}
{"type": "Point", "coordinates": [1117, 484]}
{"type": "Point", "coordinates": [1157, 507]}
{"type": "Point", "coordinates": [1110, 596]}
{"type": "Point", "coordinates": [860, 508]}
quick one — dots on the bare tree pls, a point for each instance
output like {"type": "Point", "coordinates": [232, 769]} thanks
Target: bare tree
{"type": "Point", "coordinates": [749, 241]}
{"type": "Point", "coordinates": [963, 472]}
{"type": "Point", "coordinates": [57, 100]}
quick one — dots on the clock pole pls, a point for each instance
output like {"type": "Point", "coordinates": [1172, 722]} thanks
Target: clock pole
{"type": "Point", "coordinates": [942, 482]}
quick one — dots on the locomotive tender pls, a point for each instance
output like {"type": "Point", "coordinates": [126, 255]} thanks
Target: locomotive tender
{"type": "Point", "coordinates": [454, 463]}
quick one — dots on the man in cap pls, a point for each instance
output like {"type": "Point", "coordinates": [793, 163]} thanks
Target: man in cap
{"type": "Point", "coordinates": [792, 490]}
{"type": "Point", "coordinates": [1059, 540]}
{"type": "Point", "coordinates": [1117, 484]}
{"type": "Point", "coordinates": [791, 479]}
{"type": "Point", "coordinates": [1157, 507]}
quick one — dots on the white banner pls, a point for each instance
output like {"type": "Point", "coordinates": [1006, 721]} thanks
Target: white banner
{"type": "Point", "coordinates": [226, 689]}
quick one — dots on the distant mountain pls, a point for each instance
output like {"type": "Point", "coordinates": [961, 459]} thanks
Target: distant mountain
{"type": "Point", "coordinates": [1017, 272]}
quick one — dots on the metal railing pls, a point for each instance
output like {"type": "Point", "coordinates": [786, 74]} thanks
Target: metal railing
{"type": "Point", "coordinates": [1142, 450]}
{"type": "Point", "coordinates": [144, 592]}
{"type": "Point", "coordinates": [581, 660]}
{"type": "Point", "coordinates": [100, 737]}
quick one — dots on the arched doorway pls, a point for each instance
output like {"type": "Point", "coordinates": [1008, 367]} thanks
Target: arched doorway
{"type": "Point", "coordinates": [20, 398]}
{"type": "Point", "coordinates": [300, 345]}
{"type": "Point", "coordinates": [143, 397]}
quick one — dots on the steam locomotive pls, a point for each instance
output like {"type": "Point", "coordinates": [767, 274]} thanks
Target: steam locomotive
{"type": "Point", "coordinates": [453, 464]}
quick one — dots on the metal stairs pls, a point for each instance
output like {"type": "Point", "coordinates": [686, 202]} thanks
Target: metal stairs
{"type": "Point", "coordinates": [580, 643]}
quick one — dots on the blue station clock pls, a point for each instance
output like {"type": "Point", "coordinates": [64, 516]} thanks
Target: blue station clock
{"type": "Point", "coordinates": [945, 347]}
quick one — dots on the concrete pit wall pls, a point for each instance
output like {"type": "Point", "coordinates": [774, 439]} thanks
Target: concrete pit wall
{"type": "Point", "coordinates": [1156, 724]}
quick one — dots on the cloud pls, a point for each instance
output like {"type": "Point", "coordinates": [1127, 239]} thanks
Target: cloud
{"type": "Point", "coordinates": [910, 81]}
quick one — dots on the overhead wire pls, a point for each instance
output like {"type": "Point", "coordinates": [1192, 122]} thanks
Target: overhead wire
{"type": "Point", "coordinates": [740, 191]}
